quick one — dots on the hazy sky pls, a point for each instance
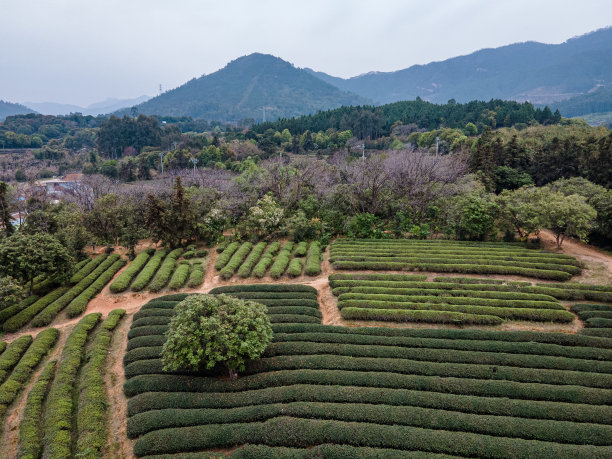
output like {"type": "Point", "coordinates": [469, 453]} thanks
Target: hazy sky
{"type": "Point", "coordinates": [82, 51]}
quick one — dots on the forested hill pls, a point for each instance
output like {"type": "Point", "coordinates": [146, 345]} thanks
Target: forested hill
{"type": "Point", "coordinates": [8, 109]}
{"type": "Point", "coordinates": [538, 72]}
{"type": "Point", "coordinates": [244, 87]}
{"type": "Point", "coordinates": [373, 122]}
{"type": "Point", "coordinates": [595, 102]}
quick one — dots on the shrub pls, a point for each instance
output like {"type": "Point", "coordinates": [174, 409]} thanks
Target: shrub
{"type": "Point", "coordinates": [245, 269]}
{"type": "Point", "coordinates": [600, 332]}
{"type": "Point", "coordinates": [30, 428]}
{"type": "Point", "coordinates": [300, 249]}
{"type": "Point", "coordinates": [225, 256]}
{"type": "Point", "coordinates": [201, 253]}
{"type": "Point", "coordinates": [58, 411]}
{"type": "Point", "coordinates": [597, 322]}
{"type": "Point", "coordinates": [79, 304]}
{"type": "Point", "coordinates": [189, 254]}
{"type": "Point", "coordinates": [313, 259]}
{"type": "Point", "coordinates": [91, 416]}
{"type": "Point", "coordinates": [10, 311]}
{"type": "Point", "coordinates": [123, 280]}
{"type": "Point", "coordinates": [282, 260]}
{"type": "Point", "coordinates": [87, 268]}
{"type": "Point", "coordinates": [162, 276]}
{"type": "Point", "coordinates": [41, 345]}
{"type": "Point", "coordinates": [266, 260]}
{"type": "Point", "coordinates": [23, 317]}
{"type": "Point", "coordinates": [10, 357]}
{"type": "Point", "coordinates": [264, 288]}
{"type": "Point", "coordinates": [295, 267]}
{"type": "Point", "coordinates": [196, 277]}
{"type": "Point", "coordinates": [403, 315]}
{"type": "Point", "coordinates": [179, 277]}
{"type": "Point", "coordinates": [236, 260]}
{"type": "Point", "coordinates": [147, 273]}
{"type": "Point", "coordinates": [229, 331]}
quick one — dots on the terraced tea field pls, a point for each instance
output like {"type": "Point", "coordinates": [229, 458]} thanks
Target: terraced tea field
{"type": "Point", "coordinates": [373, 392]}
{"type": "Point", "coordinates": [451, 256]}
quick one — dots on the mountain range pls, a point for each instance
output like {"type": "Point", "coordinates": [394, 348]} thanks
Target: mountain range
{"type": "Point", "coordinates": [99, 108]}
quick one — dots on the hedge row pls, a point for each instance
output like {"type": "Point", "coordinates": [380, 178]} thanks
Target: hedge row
{"type": "Point", "coordinates": [578, 286]}
{"type": "Point", "coordinates": [584, 315]}
{"type": "Point", "coordinates": [162, 276]}
{"type": "Point", "coordinates": [313, 259]}
{"type": "Point", "coordinates": [196, 276]}
{"type": "Point", "coordinates": [147, 330]}
{"type": "Point", "coordinates": [570, 294]}
{"type": "Point", "coordinates": [268, 294]}
{"type": "Point", "coordinates": [264, 263]}
{"type": "Point", "coordinates": [87, 268]}
{"type": "Point", "coordinates": [179, 277]}
{"type": "Point", "coordinates": [236, 260]}
{"type": "Point", "coordinates": [580, 307]}
{"type": "Point", "coordinates": [264, 288]}
{"type": "Point", "coordinates": [10, 357]}
{"type": "Point", "coordinates": [10, 311]}
{"type": "Point", "coordinates": [377, 277]}
{"type": "Point", "coordinates": [499, 426]}
{"type": "Point", "coordinates": [403, 315]}
{"type": "Point", "coordinates": [295, 267]}
{"type": "Point", "coordinates": [60, 404]}
{"type": "Point", "coordinates": [296, 432]}
{"type": "Point", "coordinates": [125, 278]}
{"type": "Point", "coordinates": [597, 322]}
{"type": "Point", "coordinates": [295, 310]}
{"type": "Point", "coordinates": [141, 384]}
{"type": "Point", "coordinates": [79, 304]}
{"type": "Point", "coordinates": [293, 318]}
{"type": "Point", "coordinates": [2, 346]}
{"type": "Point", "coordinates": [91, 416]}
{"type": "Point", "coordinates": [30, 428]}
{"type": "Point", "coordinates": [282, 260]}
{"type": "Point", "coordinates": [23, 317]}
{"type": "Point", "coordinates": [529, 409]}
{"type": "Point", "coordinates": [144, 277]}
{"type": "Point", "coordinates": [245, 268]}
{"type": "Point", "coordinates": [507, 313]}
{"type": "Point", "coordinates": [46, 316]}
{"type": "Point", "coordinates": [599, 332]}
{"type": "Point", "coordinates": [41, 345]}
{"type": "Point", "coordinates": [300, 249]}
{"type": "Point", "coordinates": [225, 256]}
{"type": "Point", "coordinates": [455, 267]}
{"type": "Point", "coordinates": [468, 280]}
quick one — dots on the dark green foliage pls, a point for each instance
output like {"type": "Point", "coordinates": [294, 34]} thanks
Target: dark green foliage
{"type": "Point", "coordinates": [123, 280]}
{"type": "Point", "coordinates": [179, 277]}
{"type": "Point", "coordinates": [404, 315]}
{"type": "Point", "coordinates": [201, 253]}
{"type": "Point", "coordinates": [468, 280]}
{"type": "Point", "coordinates": [301, 249]}
{"type": "Point", "coordinates": [91, 417]}
{"type": "Point", "coordinates": [2, 346]}
{"type": "Point", "coordinates": [79, 304]}
{"type": "Point", "coordinates": [601, 332]}
{"type": "Point", "coordinates": [264, 288]}
{"type": "Point", "coordinates": [196, 276]}
{"type": "Point", "coordinates": [10, 357]}
{"type": "Point", "coordinates": [30, 428]}
{"type": "Point", "coordinates": [597, 322]}
{"type": "Point", "coordinates": [225, 256]}
{"type": "Point", "coordinates": [147, 273]}
{"type": "Point", "coordinates": [9, 312]}
{"type": "Point", "coordinates": [281, 261]}
{"type": "Point", "coordinates": [60, 404]}
{"type": "Point", "coordinates": [41, 345]}
{"type": "Point", "coordinates": [235, 261]}
{"type": "Point", "coordinates": [266, 260]}
{"type": "Point", "coordinates": [295, 267]}
{"type": "Point", "coordinates": [162, 276]}
{"type": "Point", "coordinates": [313, 259]}
{"type": "Point", "coordinates": [245, 269]}
{"type": "Point", "coordinates": [24, 316]}
{"type": "Point", "coordinates": [88, 268]}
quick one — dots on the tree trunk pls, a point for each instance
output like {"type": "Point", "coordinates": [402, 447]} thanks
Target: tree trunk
{"type": "Point", "coordinates": [31, 286]}
{"type": "Point", "coordinates": [233, 374]}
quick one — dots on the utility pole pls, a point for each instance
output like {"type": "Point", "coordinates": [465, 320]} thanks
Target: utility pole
{"type": "Point", "coordinates": [437, 145]}
{"type": "Point", "coordinates": [161, 162]}
{"type": "Point", "coordinates": [194, 161]}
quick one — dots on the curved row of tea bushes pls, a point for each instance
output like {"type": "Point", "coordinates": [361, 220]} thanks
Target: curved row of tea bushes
{"type": "Point", "coordinates": [58, 415]}
{"type": "Point", "coordinates": [295, 267]}
{"type": "Point", "coordinates": [279, 288]}
{"type": "Point", "coordinates": [226, 255]}
{"type": "Point", "coordinates": [196, 276]}
{"type": "Point", "coordinates": [123, 281]}
{"type": "Point", "coordinates": [597, 319]}
{"type": "Point", "coordinates": [92, 413]}
{"type": "Point", "coordinates": [180, 275]}
{"type": "Point", "coordinates": [162, 276]}
{"type": "Point", "coordinates": [144, 277]}
{"type": "Point", "coordinates": [490, 294]}
{"type": "Point", "coordinates": [79, 304]}
{"type": "Point", "coordinates": [313, 259]}
{"type": "Point", "coordinates": [300, 249]}
{"type": "Point", "coordinates": [2, 347]}
{"type": "Point", "coordinates": [282, 260]}
{"type": "Point", "coordinates": [46, 316]}
{"type": "Point", "coordinates": [30, 427]}
{"type": "Point", "coordinates": [247, 267]}
{"type": "Point", "coordinates": [10, 311]}
{"type": "Point", "coordinates": [23, 317]}
{"type": "Point", "coordinates": [264, 263]}
{"type": "Point", "coordinates": [21, 373]}
{"type": "Point", "coordinates": [406, 315]}
{"type": "Point", "coordinates": [236, 260]}
{"type": "Point", "coordinates": [10, 357]}
{"type": "Point", "coordinates": [87, 268]}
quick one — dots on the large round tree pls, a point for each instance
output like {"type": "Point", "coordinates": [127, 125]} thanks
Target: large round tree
{"type": "Point", "coordinates": [215, 329]}
{"type": "Point", "coordinates": [25, 256]}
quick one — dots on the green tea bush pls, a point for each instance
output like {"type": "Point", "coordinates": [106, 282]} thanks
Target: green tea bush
{"type": "Point", "coordinates": [404, 315]}
{"type": "Point", "coordinates": [23, 317]}
{"type": "Point", "coordinates": [87, 268]}
{"type": "Point", "coordinates": [245, 268]}
{"type": "Point", "coordinates": [580, 307]}
{"type": "Point", "coordinates": [144, 277]}
{"type": "Point", "coordinates": [295, 267]}
{"type": "Point", "coordinates": [79, 304]}
{"type": "Point", "coordinates": [597, 322]}
{"type": "Point", "coordinates": [196, 276]}
{"type": "Point", "coordinates": [10, 357]}
{"type": "Point", "coordinates": [30, 427]}
{"type": "Point", "coordinates": [301, 249]}
{"type": "Point", "coordinates": [189, 254]}
{"type": "Point", "coordinates": [179, 277]}
{"type": "Point", "coordinates": [147, 330]}
{"type": "Point", "coordinates": [123, 280]}
{"type": "Point", "coordinates": [92, 414]}
{"type": "Point", "coordinates": [282, 260]}
{"type": "Point", "coordinates": [600, 332]}
{"type": "Point", "coordinates": [264, 263]}
{"type": "Point", "coordinates": [11, 311]}
{"type": "Point", "coordinates": [225, 255]}
{"type": "Point", "coordinates": [313, 259]}
{"type": "Point", "coordinates": [201, 253]}
{"type": "Point", "coordinates": [162, 276]}
{"type": "Point", "coordinates": [60, 403]}
{"type": "Point", "coordinates": [264, 288]}
{"type": "Point", "coordinates": [236, 260]}
{"type": "Point", "coordinates": [468, 280]}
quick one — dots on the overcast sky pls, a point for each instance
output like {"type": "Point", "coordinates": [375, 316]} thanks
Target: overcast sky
{"type": "Point", "coordinates": [82, 51]}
